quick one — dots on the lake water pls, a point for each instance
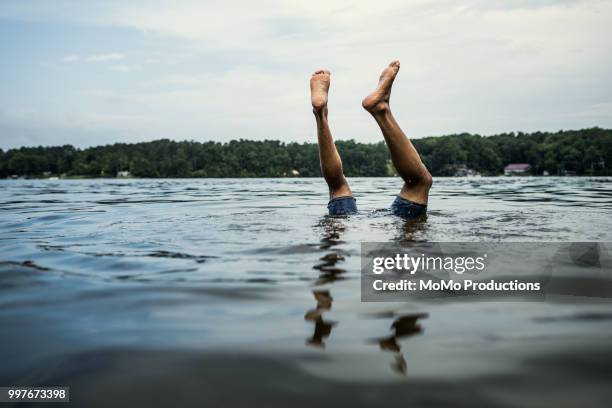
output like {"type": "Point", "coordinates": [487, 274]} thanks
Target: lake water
{"type": "Point", "coordinates": [230, 292]}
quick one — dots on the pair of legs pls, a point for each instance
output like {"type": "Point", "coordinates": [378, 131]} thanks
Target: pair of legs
{"type": "Point", "coordinates": [405, 158]}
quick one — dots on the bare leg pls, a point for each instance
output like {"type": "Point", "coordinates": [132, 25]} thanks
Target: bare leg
{"type": "Point", "coordinates": [407, 162]}
{"type": "Point", "coordinates": [331, 164]}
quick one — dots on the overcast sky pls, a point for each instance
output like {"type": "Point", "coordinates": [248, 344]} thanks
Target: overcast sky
{"type": "Point", "coordinates": [96, 72]}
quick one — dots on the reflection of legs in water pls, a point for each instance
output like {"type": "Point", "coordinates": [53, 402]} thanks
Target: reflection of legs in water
{"type": "Point", "coordinates": [411, 230]}
{"type": "Point", "coordinates": [399, 365]}
{"type": "Point", "coordinates": [323, 328]}
{"type": "Point", "coordinates": [324, 302]}
{"type": "Point", "coordinates": [403, 326]}
{"type": "Point", "coordinates": [407, 162]}
{"type": "Point", "coordinates": [329, 273]}
{"type": "Point", "coordinates": [341, 200]}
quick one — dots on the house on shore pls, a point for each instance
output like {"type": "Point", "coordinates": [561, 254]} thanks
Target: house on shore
{"type": "Point", "coordinates": [517, 169]}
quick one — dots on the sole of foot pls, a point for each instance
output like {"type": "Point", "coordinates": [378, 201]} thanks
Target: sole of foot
{"type": "Point", "coordinates": [319, 87]}
{"type": "Point", "coordinates": [378, 101]}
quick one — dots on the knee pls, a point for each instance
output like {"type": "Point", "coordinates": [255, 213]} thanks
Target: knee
{"type": "Point", "coordinates": [423, 181]}
{"type": "Point", "coordinates": [426, 180]}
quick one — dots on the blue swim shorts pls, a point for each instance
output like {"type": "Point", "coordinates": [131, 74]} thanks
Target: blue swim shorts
{"type": "Point", "coordinates": [407, 209]}
{"type": "Point", "coordinates": [342, 206]}
{"type": "Point", "coordinates": [401, 207]}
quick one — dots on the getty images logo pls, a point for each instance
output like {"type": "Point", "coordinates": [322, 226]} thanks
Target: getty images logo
{"type": "Point", "coordinates": [422, 262]}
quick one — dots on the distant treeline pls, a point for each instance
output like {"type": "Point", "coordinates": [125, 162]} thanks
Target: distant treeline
{"type": "Point", "coordinates": [580, 152]}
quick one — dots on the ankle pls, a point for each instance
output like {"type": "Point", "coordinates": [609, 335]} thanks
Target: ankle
{"type": "Point", "coordinates": [377, 108]}
{"type": "Point", "coordinates": [320, 112]}
{"type": "Point", "coordinates": [380, 110]}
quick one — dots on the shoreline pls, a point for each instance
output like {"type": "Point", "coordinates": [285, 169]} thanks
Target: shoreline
{"type": "Point", "coordinates": [85, 177]}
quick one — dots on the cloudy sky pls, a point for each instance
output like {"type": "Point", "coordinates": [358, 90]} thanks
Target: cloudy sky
{"type": "Point", "coordinates": [96, 72]}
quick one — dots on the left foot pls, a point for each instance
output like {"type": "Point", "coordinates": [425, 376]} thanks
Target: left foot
{"type": "Point", "coordinates": [378, 100]}
{"type": "Point", "coordinates": [319, 86]}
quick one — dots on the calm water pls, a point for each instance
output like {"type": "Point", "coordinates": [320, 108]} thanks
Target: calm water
{"type": "Point", "coordinates": [231, 291]}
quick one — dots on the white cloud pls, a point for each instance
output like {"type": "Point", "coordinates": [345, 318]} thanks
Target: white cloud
{"type": "Point", "coordinates": [71, 58]}
{"type": "Point", "coordinates": [232, 69]}
{"type": "Point", "coordinates": [115, 56]}
{"type": "Point", "coordinates": [126, 68]}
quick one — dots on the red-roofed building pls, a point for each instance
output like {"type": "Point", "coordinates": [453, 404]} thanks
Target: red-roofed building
{"type": "Point", "coordinates": [516, 169]}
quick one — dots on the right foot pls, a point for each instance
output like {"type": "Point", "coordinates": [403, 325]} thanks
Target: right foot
{"type": "Point", "coordinates": [378, 100]}
{"type": "Point", "coordinates": [319, 86]}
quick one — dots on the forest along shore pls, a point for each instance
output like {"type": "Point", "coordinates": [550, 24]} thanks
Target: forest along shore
{"type": "Point", "coordinates": [586, 152]}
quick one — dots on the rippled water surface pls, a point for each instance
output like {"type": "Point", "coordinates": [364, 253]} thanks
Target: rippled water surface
{"type": "Point", "coordinates": [227, 291]}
